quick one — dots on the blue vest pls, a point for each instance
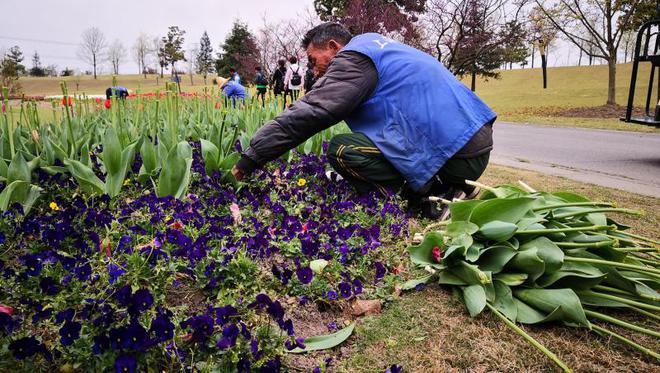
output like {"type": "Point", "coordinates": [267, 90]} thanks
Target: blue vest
{"type": "Point", "coordinates": [419, 115]}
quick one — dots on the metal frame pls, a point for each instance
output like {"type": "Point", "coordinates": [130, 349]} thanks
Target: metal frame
{"type": "Point", "coordinates": [646, 50]}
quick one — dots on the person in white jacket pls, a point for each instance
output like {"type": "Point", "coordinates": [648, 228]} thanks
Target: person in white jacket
{"type": "Point", "coordinates": [294, 80]}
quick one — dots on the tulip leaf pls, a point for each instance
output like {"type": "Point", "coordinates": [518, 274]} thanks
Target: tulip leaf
{"type": "Point", "coordinates": [446, 277]}
{"type": "Point", "coordinates": [503, 191]}
{"type": "Point", "coordinates": [421, 254]}
{"type": "Point", "coordinates": [511, 279]}
{"type": "Point", "coordinates": [411, 284]}
{"type": "Point", "coordinates": [85, 176]}
{"type": "Point", "coordinates": [528, 262]}
{"type": "Point", "coordinates": [551, 300]}
{"type": "Point", "coordinates": [20, 192]}
{"type": "Point", "coordinates": [211, 156]}
{"type": "Point", "coordinates": [175, 175]}
{"type": "Point", "coordinates": [460, 211]}
{"type": "Point", "coordinates": [548, 251]}
{"type": "Point", "coordinates": [504, 300]}
{"type": "Point", "coordinates": [475, 299]}
{"type": "Point", "coordinates": [498, 230]}
{"type": "Point", "coordinates": [458, 228]}
{"type": "Point", "coordinates": [494, 258]}
{"type": "Point", "coordinates": [324, 342]}
{"type": "Point", "coordinates": [506, 210]}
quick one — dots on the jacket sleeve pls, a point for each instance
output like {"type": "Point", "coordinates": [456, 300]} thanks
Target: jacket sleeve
{"type": "Point", "coordinates": [349, 80]}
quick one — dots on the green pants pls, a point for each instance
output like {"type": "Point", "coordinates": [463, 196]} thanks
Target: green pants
{"type": "Point", "coordinates": [358, 161]}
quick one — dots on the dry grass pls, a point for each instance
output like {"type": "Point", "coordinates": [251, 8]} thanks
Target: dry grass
{"type": "Point", "coordinates": [430, 331]}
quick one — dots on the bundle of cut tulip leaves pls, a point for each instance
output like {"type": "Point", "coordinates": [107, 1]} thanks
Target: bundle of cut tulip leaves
{"type": "Point", "coordinates": [532, 257]}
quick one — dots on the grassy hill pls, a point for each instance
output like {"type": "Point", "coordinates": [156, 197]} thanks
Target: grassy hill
{"type": "Point", "coordinates": [517, 96]}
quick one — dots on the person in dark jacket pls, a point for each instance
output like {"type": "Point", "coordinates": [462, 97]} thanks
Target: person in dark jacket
{"type": "Point", "coordinates": [277, 82]}
{"type": "Point", "coordinates": [261, 84]}
{"type": "Point", "coordinates": [416, 128]}
{"type": "Point", "coordinates": [117, 91]}
{"type": "Point", "coordinates": [310, 79]}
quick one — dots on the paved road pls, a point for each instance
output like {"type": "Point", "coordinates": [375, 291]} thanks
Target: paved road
{"type": "Point", "coordinates": [616, 159]}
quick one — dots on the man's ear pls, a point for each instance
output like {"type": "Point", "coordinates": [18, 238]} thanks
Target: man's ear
{"type": "Point", "coordinates": [332, 44]}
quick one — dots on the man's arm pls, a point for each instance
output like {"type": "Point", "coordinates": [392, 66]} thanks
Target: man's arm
{"type": "Point", "coordinates": [349, 80]}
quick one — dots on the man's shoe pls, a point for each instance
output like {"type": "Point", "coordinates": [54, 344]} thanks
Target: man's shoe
{"type": "Point", "coordinates": [333, 176]}
{"type": "Point", "coordinates": [466, 192]}
{"type": "Point", "coordinates": [434, 210]}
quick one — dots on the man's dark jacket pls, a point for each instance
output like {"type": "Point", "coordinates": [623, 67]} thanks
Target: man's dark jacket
{"type": "Point", "coordinates": [350, 79]}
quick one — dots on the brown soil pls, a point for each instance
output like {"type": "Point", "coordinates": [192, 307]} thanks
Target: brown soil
{"type": "Point", "coordinates": [594, 112]}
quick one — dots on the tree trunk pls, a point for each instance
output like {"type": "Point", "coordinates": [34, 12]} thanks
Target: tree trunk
{"type": "Point", "coordinates": [544, 66]}
{"type": "Point", "coordinates": [474, 82]}
{"type": "Point", "coordinates": [532, 56]}
{"type": "Point", "coordinates": [611, 82]}
{"type": "Point", "coordinates": [191, 79]}
{"type": "Point", "coordinates": [161, 71]}
{"type": "Point", "coordinates": [94, 64]}
{"type": "Point", "coordinates": [580, 59]}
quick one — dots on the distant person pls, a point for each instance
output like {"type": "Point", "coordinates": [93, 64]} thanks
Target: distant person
{"type": "Point", "coordinates": [231, 90]}
{"type": "Point", "coordinates": [261, 83]}
{"type": "Point", "coordinates": [277, 81]}
{"type": "Point", "coordinates": [233, 75]}
{"type": "Point", "coordinates": [310, 79]}
{"type": "Point", "coordinates": [120, 92]}
{"type": "Point", "coordinates": [294, 79]}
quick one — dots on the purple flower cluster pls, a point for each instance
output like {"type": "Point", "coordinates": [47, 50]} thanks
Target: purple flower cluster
{"type": "Point", "coordinates": [108, 270]}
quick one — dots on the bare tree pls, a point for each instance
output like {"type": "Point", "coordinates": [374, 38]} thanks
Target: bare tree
{"type": "Point", "coordinates": [116, 55]}
{"type": "Point", "coordinates": [92, 47]}
{"type": "Point", "coordinates": [282, 39]}
{"type": "Point", "coordinates": [155, 50]}
{"type": "Point", "coordinates": [542, 34]}
{"type": "Point", "coordinates": [141, 51]}
{"type": "Point", "coordinates": [593, 23]}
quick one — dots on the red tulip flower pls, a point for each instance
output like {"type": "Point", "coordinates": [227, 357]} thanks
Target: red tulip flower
{"type": "Point", "coordinates": [108, 104]}
{"type": "Point", "coordinates": [98, 100]}
{"type": "Point", "coordinates": [6, 309]}
{"type": "Point", "coordinates": [4, 109]}
{"type": "Point", "coordinates": [436, 253]}
{"type": "Point", "coordinates": [64, 101]}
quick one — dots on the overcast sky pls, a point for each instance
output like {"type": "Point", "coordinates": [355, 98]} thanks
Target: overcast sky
{"type": "Point", "coordinates": [53, 28]}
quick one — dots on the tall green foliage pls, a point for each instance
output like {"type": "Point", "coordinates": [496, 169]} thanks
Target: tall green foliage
{"type": "Point", "coordinates": [172, 47]}
{"type": "Point", "coordinates": [205, 56]}
{"type": "Point", "coordinates": [239, 51]}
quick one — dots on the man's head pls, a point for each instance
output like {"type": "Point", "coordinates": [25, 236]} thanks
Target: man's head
{"type": "Point", "coordinates": [232, 71]}
{"type": "Point", "coordinates": [293, 60]}
{"type": "Point", "coordinates": [281, 62]}
{"type": "Point", "coordinates": [322, 44]}
{"type": "Point", "coordinates": [257, 69]}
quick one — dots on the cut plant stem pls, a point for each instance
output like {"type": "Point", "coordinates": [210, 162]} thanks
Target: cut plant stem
{"type": "Point", "coordinates": [645, 313]}
{"type": "Point", "coordinates": [526, 186]}
{"type": "Point", "coordinates": [638, 237]}
{"type": "Point", "coordinates": [593, 211]}
{"type": "Point", "coordinates": [574, 204]}
{"type": "Point", "coordinates": [627, 301]}
{"type": "Point", "coordinates": [566, 230]}
{"type": "Point", "coordinates": [648, 270]}
{"type": "Point", "coordinates": [530, 339]}
{"type": "Point", "coordinates": [621, 323]}
{"type": "Point", "coordinates": [480, 185]}
{"type": "Point", "coordinates": [579, 245]}
{"type": "Point", "coordinates": [627, 341]}
{"type": "Point", "coordinates": [637, 249]}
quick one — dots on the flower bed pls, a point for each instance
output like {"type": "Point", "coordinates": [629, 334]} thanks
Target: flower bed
{"type": "Point", "coordinates": [142, 281]}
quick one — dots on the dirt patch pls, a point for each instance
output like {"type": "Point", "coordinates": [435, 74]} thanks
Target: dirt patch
{"type": "Point", "coordinates": [592, 112]}
{"type": "Point", "coordinates": [313, 319]}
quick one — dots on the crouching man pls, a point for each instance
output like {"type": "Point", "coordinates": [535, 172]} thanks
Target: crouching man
{"type": "Point", "coordinates": [416, 128]}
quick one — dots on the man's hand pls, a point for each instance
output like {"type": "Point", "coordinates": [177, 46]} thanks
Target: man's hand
{"type": "Point", "coordinates": [238, 174]}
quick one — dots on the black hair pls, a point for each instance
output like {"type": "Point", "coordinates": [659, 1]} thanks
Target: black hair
{"type": "Point", "coordinates": [324, 32]}
{"type": "Point", "coordinates": [258, 68]}
{"type": "Point", "coordinates": [281, 62]}
{"type": "Point", "coordinates": [293, 60]}
{"type": "Point", "coordinates": [232, 70]}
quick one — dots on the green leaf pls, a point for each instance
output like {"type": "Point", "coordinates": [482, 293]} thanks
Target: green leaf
{"type": "Point", "coordinates": [21, 192]}
{"type": "Point", "coordinates": [504, 300]}
{"type": "Point", "coordinates": [175, 175]}
{"type": "Point", "coordinates": [573, 275]}
{"type": "Point", "coordinates": [511, 279]}
{"type": "Point", "coordinates": [470, 273]}
{"type": "Point", "coordinates": [111, 151]}
{"type": "Point", "coordinates": [506, 210]}
{"type": "Point", "coordinates": [498, 230]}
{"type": "Point", "coordinates": [211, 155]}
{"type": "Point", "coordinates": [318, 265]}
{"type": "Point", "coordinates": [446, 277]}
{"type": "Point", "coordinates": [494, 258]}
{"type": "Point", "coordinates": [528, 315]}
{"type": "Point", "coordinates": [421, 254]}
{"type": "Point", "coordinates": [18, 169]}
{"type": "Point", "coordinates": [87, 180]}
{"type": "Point", "coordinates": [528, 262]}
{"type": "Point", "coordinates": [460, 211]}
{"type": "Point", "coordinates": [458, 228]}
{"type": "Point", "coordinates": [503, 191]}
{"type": "Point", "coordinates": [324, 342]}
{"type": "Point", "coordinates": [551, 300]}
{"type": "Point", "coordinates": [115, 179]}
{"type": "Point", "coordinates": [548, 251]}
{"type": "Point", "coordinates": [475, 299]}
{"type": "Point", "coordinates": [411, 284]}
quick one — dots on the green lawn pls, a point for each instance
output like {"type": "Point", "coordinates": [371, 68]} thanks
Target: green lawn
{"type": "Point", "coordinates": [518, 96]}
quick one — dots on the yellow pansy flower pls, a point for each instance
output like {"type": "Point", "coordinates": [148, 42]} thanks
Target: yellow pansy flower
{"type": "Point", "coordinates": [302, 182]}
